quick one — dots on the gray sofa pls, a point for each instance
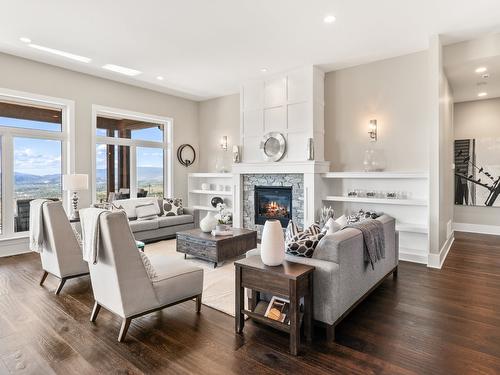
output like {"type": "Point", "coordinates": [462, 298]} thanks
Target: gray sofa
{"type": "Point", "coordinates": [159, 228]}
{"type": "Point", "coordinates": [341, 277]}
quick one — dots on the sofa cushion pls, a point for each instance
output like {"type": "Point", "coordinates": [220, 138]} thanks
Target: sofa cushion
{"type": "Point", "coordinates": [331, 226]}
{"type": "Point", "coordinates": [147, 211]}
{"type": "Point", "coordinates": [140, 225]}
{"type": "Point", "coordinates": [169, 221]}
{"type": "Point", "coordinates": [129, 205]}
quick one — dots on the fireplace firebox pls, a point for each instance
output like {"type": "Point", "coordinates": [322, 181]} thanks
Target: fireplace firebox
{"type": "Point", "coordinates": [273, 202]}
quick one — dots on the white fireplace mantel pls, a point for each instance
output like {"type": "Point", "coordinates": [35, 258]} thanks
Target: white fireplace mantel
{"type": "Point", "coordinates": [282, 167]}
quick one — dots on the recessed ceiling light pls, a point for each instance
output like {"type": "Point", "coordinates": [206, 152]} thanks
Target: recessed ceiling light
{"type": "Point", "coordinates": [481, 69]}
{"type": "Point", "coordinates": [263, 70]}
{"type": "Point", "coordinates": [121, 70]}
{"type": "Point", "coordinates": [159, 78]}
{"type": "Point", "coordinates": [329, 19]}
{"type": "Point", "coordinates": [68, 55]}
{"type": "Point", "coordinates": [25, 40]}
{"type": "Point", "coordinates": [481, 94]}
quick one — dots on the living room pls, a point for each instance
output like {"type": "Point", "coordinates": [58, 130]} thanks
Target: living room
{"type": "Point", "coordinates": [205, 192]}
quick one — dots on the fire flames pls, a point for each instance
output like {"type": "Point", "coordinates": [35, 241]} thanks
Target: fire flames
{"type": "Point", "coordinates": [275, 210]}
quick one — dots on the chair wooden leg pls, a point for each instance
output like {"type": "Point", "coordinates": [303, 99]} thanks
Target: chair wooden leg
{"type": "Point", "coordinates": [95, 311]}
{"type": "Point", "coordinates": [44, 276]}
{"type": "Point", "coordinates": [330, 333]}
{"type": "Point", "coordinates": [124, 329]}
{"type": "Point", "coordinates": [60, 286]}
{"type": "Point", "coordinates": [198, 303]}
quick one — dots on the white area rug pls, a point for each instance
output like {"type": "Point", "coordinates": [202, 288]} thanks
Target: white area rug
{"type": "Point", "coordinates": [218, 283]}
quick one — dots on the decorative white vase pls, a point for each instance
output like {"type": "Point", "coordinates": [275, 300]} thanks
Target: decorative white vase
{"type": "Point", "coordinates": [208, 223]}
{"type": "Point", "coordinates": [272, 247]}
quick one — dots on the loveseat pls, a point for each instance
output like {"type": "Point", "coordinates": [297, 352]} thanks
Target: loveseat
{"type": "Point", "coordinates": [342, 278]}
{"type": "Point", "coordinates": [160, 227]}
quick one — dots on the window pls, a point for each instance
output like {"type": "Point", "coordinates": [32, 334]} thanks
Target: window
{"type": "Point", "coordinates": [37, 174]}
{"type": "Point", "coordinates": [149, 171]}
{"type": "Point", "coordinates": [132, 155]}
{"type": "Point", "coordinates": [34, 134]}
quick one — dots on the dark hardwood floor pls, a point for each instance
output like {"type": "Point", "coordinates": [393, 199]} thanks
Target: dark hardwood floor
{"type": "Point", "coordinates": [425, 322]}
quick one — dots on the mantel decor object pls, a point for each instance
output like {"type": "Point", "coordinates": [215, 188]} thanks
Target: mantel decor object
{"type": "Point", "coordinates": [273, 146]}
{"type": "Point", "coordinates": [272, 248]}
{"type": "Point", "coordinates": [180, 154]}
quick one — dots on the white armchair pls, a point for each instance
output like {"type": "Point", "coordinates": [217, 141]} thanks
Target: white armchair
{"type": "Point", "coordinates": [122, 284]}
{"type": "Point", "coordinates": [61, 255]}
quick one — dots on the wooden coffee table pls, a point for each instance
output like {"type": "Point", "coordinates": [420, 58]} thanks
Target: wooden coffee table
{"type": "Point", "coordinates": [290, 281]}
{"type": "Point", "coordinates": [216, 248]}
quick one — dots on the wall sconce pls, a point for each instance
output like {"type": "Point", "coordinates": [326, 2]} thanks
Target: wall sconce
{"type": "Point", "coordinates": [372, 130]}
{"type": "Point", "coordinates": [223, 143]}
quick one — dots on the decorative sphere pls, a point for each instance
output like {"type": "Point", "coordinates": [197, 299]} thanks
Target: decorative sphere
{"type": "Point", "coordinates": [216, 200]}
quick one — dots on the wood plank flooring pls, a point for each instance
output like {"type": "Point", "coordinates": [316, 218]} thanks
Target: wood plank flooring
{"type": "Point", "coordinates": [425, 322]}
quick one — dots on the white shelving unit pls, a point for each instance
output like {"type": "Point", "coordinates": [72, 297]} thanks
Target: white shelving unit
{"type": "Point", "coordinates": [200, 199]}
{"type": "Point", "coordinates": [401, 202]}
{"type": "Point", "coordinates": [411, 214]}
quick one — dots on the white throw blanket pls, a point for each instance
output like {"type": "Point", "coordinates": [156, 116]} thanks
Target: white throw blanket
{"type": "Point", "coordinates": [36, 225]}
{"type": "Point", "coordinates": [89, 218]}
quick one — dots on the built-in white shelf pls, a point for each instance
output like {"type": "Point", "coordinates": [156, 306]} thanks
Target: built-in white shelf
{"type": "Point", "coordinates": [401, 202]}
{"type": "Point", "coordinates": [211, 175]}
{"type": "Point", "coordinates": [220, 185]}
{"type": "Point", "coordinates": [204, 208]}
{"type": "Point", "coordinates": [212, 192]}
{"type": "Point", "coordinates": [376, 175]}
{"type": "Point", "coordinates": [412, 228]}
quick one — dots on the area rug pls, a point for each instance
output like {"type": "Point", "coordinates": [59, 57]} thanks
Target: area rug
{"type": "Point", "coordinates": [218, 283]}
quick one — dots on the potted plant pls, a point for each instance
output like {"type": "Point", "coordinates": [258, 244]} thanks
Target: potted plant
{"type": "Point", "coordinates": [223, 216]}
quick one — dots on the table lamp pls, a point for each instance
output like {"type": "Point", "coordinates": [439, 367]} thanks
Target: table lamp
{"type": "Point", "coordinates": [75, 183]}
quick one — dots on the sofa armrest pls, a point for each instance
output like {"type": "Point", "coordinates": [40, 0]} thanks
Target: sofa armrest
{"type": "Point", "coordinates": [334, 246]}
{"type": "Point", "coordinates": [196, 215]}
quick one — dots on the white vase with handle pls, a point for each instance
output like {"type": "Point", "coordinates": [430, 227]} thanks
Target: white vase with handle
{"type": "Point", "coordinates": [272, 247]}
{"type": "Point", "coordinates": [208, 223]}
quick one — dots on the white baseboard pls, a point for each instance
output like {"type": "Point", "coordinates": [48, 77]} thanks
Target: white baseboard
{"type": "Point", "coordinates": [437, 260]}
{"type": "Point", "coordinates": [410, 255]}
{"type": "Point", "coordinates": [14, 246]}
{"type": "Point", "coordinates": [477, 228]}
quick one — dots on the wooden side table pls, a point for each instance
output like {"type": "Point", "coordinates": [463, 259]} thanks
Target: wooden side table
{"type": "Point", "coordinates": [290, 281]}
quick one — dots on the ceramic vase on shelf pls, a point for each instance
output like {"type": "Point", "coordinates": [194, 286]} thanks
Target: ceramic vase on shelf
{"type": "Point", "coordinates": [208, 223]}
{"type": "Point", "coordinates": [272, 248]}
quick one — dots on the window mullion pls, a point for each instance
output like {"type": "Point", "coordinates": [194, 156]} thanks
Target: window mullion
{"type": "Point", "coordinates": [7, 186]}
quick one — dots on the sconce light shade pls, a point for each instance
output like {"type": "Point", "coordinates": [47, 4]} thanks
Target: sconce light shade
{"type": "Point", "coordinates": [372, 130]}
{"type": "Point", "coordinates": [223, 142]}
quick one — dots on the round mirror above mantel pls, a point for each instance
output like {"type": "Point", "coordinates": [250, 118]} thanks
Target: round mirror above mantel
{"type": "Point", "coordinates": [273, 146]}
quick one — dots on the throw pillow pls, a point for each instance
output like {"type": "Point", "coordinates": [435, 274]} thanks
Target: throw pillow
{"type": "Point", "coordinates": [148, 266]}
{"type": "Point", "coordinates": [146, 212]}
{"type": "Point", "coordinates": [304, 243]}
{"type": "Point", "coordinates": [172, 206]}
{"type": "Point", "coordinates": [331, 226]}
{"type": "Point", "coordinates": [362, 215]}
{"type": "Point", "coordinates": [292, 231]}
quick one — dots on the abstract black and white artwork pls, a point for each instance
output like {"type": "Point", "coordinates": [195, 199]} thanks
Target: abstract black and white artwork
{"type": "Point", "coordinates": [477, 172]}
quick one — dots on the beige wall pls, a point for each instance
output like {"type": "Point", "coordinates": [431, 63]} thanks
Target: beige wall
{"type": "Point", "coordinates": [85, 90]}
{"type": "Point", "coordinates": [392, 91]}
{"type": "Point", "coordinates": [218, 117]}
{"type": "Point", "coordinates": [477, 119]}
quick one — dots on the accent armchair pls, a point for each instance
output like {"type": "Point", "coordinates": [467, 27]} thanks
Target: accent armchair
{"type": "Point", "coordinates": [123, 285]}
{"type": "Point", "coordinates": [61, 255]}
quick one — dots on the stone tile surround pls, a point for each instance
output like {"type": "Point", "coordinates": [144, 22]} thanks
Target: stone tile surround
{"type": "Point", "coordinates": [296, 181]}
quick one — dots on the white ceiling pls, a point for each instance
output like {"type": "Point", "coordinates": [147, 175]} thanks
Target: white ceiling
{"type": "Point", "coordinates": [466, 83]}
{"type": "Point", "coordinates": [207, 48]}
